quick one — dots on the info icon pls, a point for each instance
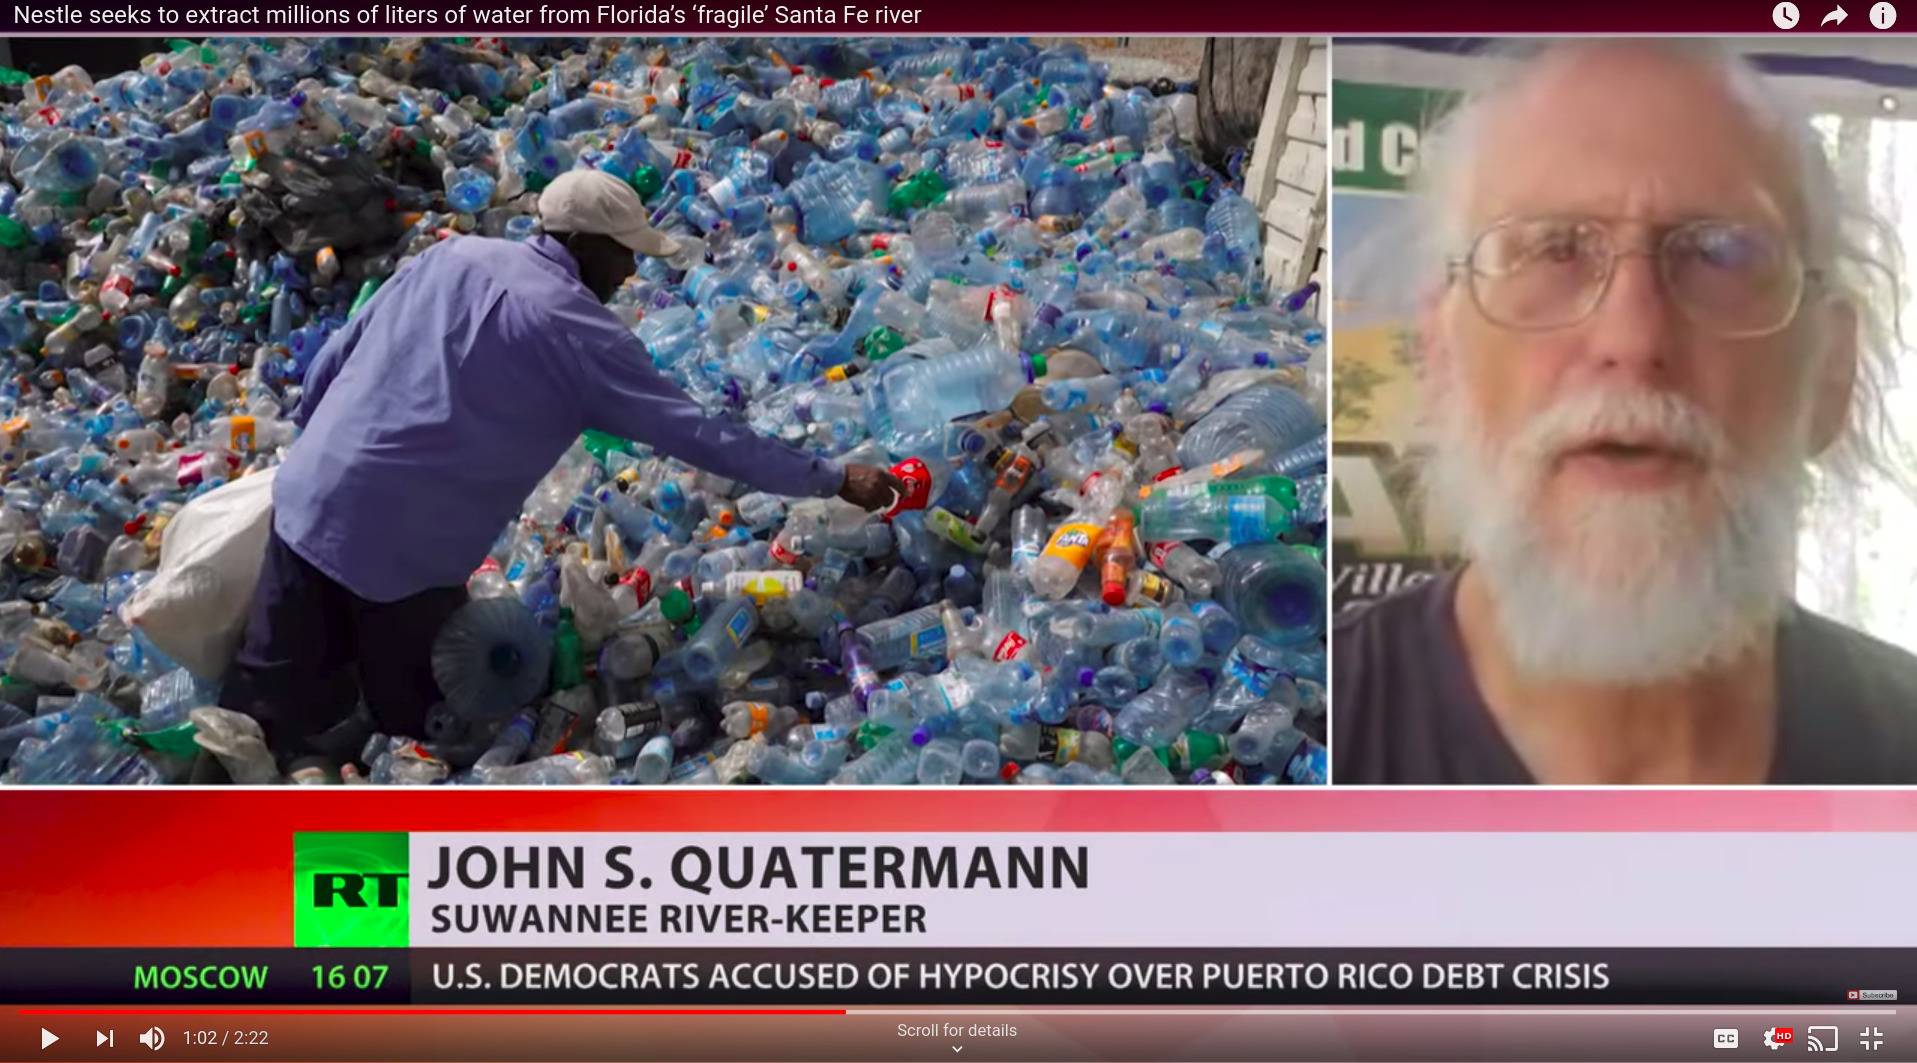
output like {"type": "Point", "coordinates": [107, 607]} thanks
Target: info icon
{"type": "Point", "coordinates": [1779, 1036]}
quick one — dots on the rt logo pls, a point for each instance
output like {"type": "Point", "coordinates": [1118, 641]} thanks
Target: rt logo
{"type": "Point", "coordinates": [1779, 1036]}
{"type": "Point", "coordinates": [335, 888]}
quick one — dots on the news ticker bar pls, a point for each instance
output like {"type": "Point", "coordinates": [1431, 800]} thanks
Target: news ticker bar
{"type": "Point", "coordinates": [713, 977]}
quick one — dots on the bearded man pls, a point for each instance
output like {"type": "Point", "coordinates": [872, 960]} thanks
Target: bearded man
{"type": "Point", "coordinates": [1648, 329]}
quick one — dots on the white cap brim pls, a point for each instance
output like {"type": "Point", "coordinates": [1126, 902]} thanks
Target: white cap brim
{"type": "Point", "coordinates": [649, 241]}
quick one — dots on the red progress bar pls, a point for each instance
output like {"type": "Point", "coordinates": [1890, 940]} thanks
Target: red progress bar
{"type": "Point", "coordinates": [159, 1010]}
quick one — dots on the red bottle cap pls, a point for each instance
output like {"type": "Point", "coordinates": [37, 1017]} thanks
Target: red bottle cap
{"type": "Point", "coordinates": [917, 479]}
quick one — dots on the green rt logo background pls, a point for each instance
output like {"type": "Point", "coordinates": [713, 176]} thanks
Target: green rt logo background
{"type": "Point", "coordinates": [350, 890]}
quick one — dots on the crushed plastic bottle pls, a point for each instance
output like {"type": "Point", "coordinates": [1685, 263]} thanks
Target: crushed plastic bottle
{"type": "Point", "coordinates": [979, 264]}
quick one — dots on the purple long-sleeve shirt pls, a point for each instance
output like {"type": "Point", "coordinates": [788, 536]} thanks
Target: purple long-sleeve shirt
{"type": "Point", "coordinates": [431, 417]}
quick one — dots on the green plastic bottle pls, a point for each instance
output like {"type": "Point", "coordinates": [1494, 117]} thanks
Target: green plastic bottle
{"type": "Point", "coordinates": [1189, 751]}
{"type": "Point", "coordinates": [568, 656]}
{"type": "Point", "coordinates": [13, 234]}
{"type": "Point", "coordinates": [365, 295]}
{"type": "Point", "coordinates": [881, 343]}
{"type": "Point", "coordinates": [676, 606]}
{"type": "Point", "coordinates": [1284, 489]}
{"type": "Point", "coordinates": [599, 444]}
{"type": "Point", "coordinates": [647, 182]}
{"type": "Point", "coordinates": [922, 189]}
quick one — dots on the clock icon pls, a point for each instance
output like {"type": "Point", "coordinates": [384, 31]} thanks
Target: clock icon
{"type": "Point", "coordinates": [1785, 15]}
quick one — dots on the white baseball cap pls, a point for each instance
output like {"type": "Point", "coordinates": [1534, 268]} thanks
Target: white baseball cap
{"type": "Point", "coordinates": [592, 201]}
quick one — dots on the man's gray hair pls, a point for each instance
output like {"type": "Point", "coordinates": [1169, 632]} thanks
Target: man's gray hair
{"type": "Point", "coordinates": [1857, 251]}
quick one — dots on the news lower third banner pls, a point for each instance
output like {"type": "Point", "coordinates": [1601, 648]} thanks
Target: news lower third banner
{"type": "Point", "coordinates": [655, 918]}
{"type": "Point", "coordinates": [1062, 889]}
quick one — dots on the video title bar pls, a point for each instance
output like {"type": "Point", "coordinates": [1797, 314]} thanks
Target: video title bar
{"type": "Point", "coordinates": [955, 977]}
{"type": "Point", "coordinates": [206, 18]}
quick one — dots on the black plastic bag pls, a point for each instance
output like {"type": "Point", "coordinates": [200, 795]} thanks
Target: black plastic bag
{"type": "Point", "coordinates": [308, 201]}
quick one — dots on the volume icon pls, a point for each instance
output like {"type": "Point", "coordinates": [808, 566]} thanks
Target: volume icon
{"type": "Point", "coordinates": [153, 1038]}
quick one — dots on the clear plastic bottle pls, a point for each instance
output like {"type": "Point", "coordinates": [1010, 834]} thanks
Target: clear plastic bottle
{"type": "Point", "coordinates": [1268, 418]}
{"type": "Point", "coordinates": [914, 395]}
{"type": "Point", "coordinates": [893, 761]}
{"type": "Point", "coordinates": [1276, 592]}
{"type": "Point", "coordinates": [980, 761]}
{"type": "Point", "coordinates": [917, 635]}
{"type": "Point", "coordinates": [1252, 672]}
{"type": "Point", "coordinates": [1235, 222]}
{"type": "Point", "coordinates": [719, 639]}
{"type": "Point", "coordinates": [1197, 574]}
{"type": "Point", "coordinates": [509, 744]}
{"type": "Point", "coordinates": [560, 769]}
{"type": "Point", "coordinates": [941, 763]}
{"type": "Point", "coordinates": [1220, 518]}
{"type": "Point", "coordinates": [1255, 737]}
{"type": "Point", "coordinates": [653, 765]}
{"type": "Point", "coordinates": [743, 719]}
{"type": "Point", "coordinates": [1158, 715]}
{"type": "Point", "coordinates": [1180, 638]}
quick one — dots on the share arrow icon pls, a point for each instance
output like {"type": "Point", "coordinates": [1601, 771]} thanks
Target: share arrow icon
{"type": "Point", "coordinates": [1837, 15]}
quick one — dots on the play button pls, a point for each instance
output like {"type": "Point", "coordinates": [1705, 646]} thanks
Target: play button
{"type": "Point", "coordinates": [47, 1037]}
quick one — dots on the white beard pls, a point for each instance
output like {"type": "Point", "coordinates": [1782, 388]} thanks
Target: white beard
{"type": "Point", "coordinates": [1631, 587]}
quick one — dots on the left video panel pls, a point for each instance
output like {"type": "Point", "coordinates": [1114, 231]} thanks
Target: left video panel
{"type": "Point", "coordinates": [610, 411]}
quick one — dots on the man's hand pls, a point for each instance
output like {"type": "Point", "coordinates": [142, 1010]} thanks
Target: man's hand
{"type": "Point", "coordinates": [871, 488]}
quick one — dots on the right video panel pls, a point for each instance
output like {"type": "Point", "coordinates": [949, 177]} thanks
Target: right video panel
{"type": "Point", "coordinates": [1620, 411]}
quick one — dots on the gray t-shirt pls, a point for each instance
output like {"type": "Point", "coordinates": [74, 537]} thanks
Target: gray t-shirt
{"type": "Point", "coordinates": [1406, 709]}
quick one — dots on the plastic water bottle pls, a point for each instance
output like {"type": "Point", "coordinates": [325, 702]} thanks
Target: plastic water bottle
{"type": "Point", "coordinates": [980, 760]}
{"type": "Point", "coordinates": [1225, 518]}
{"type": "Point", "coordinates": [1197, 574]}
{"type": "Point", "coordinates": [919, 395]}
{"type": "Point", "coordinates": [719, 640]}
{"type": "Point", "coordinates": [893, 761]}
{"type": "Point", "coordinates": [1218, 626]}
{"type": "Point", "coordinates": [1252, 670]}
{"type": "Point", "coordinates": [654, 763]}
{"type": "Point", "coordinates": [941, 763]}
{"type": "Point", "coordinates": [1234, 221]}
{"type": "Point", "coordinates": [560, 769]}
{"type": "Point", "coordinates": [509, 744]}
{"type": "Point", "coordinates": [1276, 592]}
{"type": "Point", "coordinates": [744, 719]}
{"type": "Point", "coordinates": [491, 657]}
{"type": "Point", "coordinates": [1256, 735]}
{"type": "Point", "coordinates": [1157, 716]}
{"type": "Point", "coordinates": [915, 636]}
{"type": "Point", "coordinates": [1269, 418]}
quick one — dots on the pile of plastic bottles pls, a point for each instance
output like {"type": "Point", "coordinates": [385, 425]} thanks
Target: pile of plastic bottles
{"type": "Point", "coordinates": [972, 261]}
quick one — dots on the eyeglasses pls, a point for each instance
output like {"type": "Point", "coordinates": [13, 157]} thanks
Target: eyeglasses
{"type": "Point", "coordinates": [1734, 280]}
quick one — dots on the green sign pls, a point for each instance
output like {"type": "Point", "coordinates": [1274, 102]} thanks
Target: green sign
{"type": "Point", "coordinates": [350, 890]}
{"type": "Point", "coordinates": [1376, 129]}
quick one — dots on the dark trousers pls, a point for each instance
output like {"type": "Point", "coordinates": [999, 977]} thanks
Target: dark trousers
{"type": "Point", "coordinates": [314, 648]}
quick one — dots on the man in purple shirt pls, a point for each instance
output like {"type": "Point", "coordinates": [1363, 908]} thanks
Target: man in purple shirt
{"type": "Point", "coordinates": [426, 423]}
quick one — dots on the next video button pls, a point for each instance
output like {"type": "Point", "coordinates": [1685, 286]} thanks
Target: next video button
{"type": "Point", "coordinates": [1873, 994]}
